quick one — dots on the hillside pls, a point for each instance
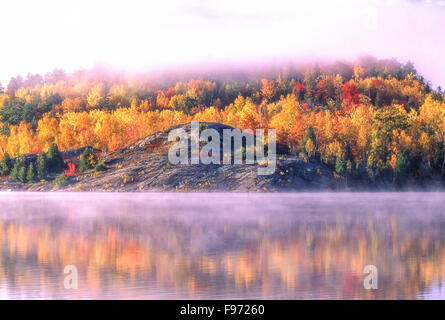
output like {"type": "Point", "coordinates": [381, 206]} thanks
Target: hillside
{"type": "Point", "coordinates": [372, 119]}
{"type": "Point", "coordinates": [144, 166]}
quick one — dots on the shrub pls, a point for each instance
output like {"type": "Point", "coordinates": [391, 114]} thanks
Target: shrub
{"type": "Point", "coordinates": [61, 181]}
{"type": "Point", "coordinates": [100, 167]}
{"type": "Point", "coordinates": [126, 179]}
{"type": "Point", "coordinates": [87, 159]}
{"type": "Point", "coordinates": [71, 171]}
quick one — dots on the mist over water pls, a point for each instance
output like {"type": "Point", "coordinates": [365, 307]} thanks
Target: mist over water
{"type": "Point", "coordinates": [211, 246]}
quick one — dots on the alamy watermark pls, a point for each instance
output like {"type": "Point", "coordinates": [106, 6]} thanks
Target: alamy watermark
{"type": "Point", "coordinates": [71, 280]}
{"type": "Point", "coordinates": [246, 146]}
{"type": "Point", "coordinates": [371, 280]}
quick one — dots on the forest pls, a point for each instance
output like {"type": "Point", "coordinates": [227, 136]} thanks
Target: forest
{"type": "Point", "coordinates": [377, 114]}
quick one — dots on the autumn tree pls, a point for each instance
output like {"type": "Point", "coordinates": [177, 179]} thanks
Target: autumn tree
{"type": "Point", "coordinates": [309, 147]}
{"type": "Point", "coordinates": [97, 97]}
{"type": "Point", "coordinates": [180, 102]}
{"type": "Point", "coordinates": [310, 136]}
{"type": "Point", "coordinates": [118, 96]}
{"type": "Point", "coordinates": [350, 95]}
{"type": "Point", "coordinates": [76, 104]}
{"type": "Point", "coordinates": [268, 89]}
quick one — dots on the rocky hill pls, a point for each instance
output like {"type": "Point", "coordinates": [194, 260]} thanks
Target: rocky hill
{"type": "Point", "coordinates": [144, 166]}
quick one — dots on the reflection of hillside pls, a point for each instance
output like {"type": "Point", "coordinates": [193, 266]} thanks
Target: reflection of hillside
{"type": "Point", "coordinates": [289, 258]}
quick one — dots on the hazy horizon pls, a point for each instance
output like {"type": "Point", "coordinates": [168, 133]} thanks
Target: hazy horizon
{"type": "Point", "coordinates": [138, 36]}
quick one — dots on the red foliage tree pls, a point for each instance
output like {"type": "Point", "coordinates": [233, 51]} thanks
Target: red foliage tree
{"type": "Point", "coordinates": [71, 171]}
{"type": "Point", "coordinates": [299, 89]}
{"type": "Point", "coordinates": [350, 95]}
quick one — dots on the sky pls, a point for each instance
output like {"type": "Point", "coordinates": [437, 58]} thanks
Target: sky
{"type": "Point", "coordinates": [39, 36]}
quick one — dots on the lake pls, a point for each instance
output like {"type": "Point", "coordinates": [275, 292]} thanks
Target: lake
{"type": "Point", "coordinates": [222, 246]}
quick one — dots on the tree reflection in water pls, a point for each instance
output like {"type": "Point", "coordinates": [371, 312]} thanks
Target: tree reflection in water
{"type": "Point", "coordinates": [221, 245]}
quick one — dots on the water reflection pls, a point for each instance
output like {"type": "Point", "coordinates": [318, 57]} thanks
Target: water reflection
{"type": "Point", "coordinates": [284, 246]}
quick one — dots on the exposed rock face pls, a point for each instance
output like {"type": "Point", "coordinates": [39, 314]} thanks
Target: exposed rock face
{"type": "Point", "coordinates": [144, 166]}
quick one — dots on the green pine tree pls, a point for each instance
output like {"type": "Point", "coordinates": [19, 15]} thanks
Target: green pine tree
{"type": "Point", "coordinates": [17, 173]}
{"type": "Point", "coordinates": [378, 101]}
{"type": "Point", "coordinates": [21, 176]}
{"type": "Point", "coordinates": [340, 166]}
{"type": "Point", "coordinates": [5, 129]}
{"type": "Point", "coordinates": [42, 166]}
{"type": "Point", "coordinates": [403, 166]}
{"type": "Point", "coordinates": [55, 160]}
{"type": "Point", "coordinates": [5, 165]}
{"type": "Point", "coordinates": [31, 175]}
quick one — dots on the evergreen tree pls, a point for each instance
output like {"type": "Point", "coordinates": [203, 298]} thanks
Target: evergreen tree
{"type": "Point", "coordinates": [403, 166]}
{"type": "Point", "coordinates": [5, 165]}
{"type": "Point", "coordinates": [31, 175]}
{"type": "Point", "coordinates": [5, 129]}
{"type": "Point", "coordinates": [438, 94]}
{"type": "Point", "coordinates": [55, 160]}
{"type": "Point", "coordinates": [410, 105]}
{"type": "Point", "coordinates": [21, 176]}
{"type": "Point", "coordinates": [42, 166]}
{"type": "Point", "coordinates": [15, 172]}
{"type": "Point", "coordinates": [378, 100]}
{"type": "Point", "coordinates": [18, 172]}
{"type": "Point", "coordinates": [340, 166]}
{"type": "Point", "coordinates": [87, 159]}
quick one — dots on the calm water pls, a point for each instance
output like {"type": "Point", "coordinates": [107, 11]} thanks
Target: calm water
{"type": "Point", "coordinates": [181, 246]}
